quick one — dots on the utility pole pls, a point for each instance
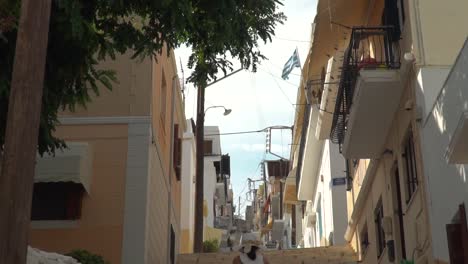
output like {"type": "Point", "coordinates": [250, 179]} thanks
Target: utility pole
{"type": "Point", "coordinates": [199, 171]}
{"type": "Point", "coordinates": [238, 210]}
{"type": "Point", "coordinates": [264, 181]}
{"type": "Point", "coordinates": [22, 129]}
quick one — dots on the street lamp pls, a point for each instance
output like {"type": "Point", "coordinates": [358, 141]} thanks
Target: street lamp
{"type": "Point", "coordinates": [227, 111]}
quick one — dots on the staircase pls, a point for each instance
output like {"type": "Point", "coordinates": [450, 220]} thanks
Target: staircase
{"type": "Point", "coordinates": [319, 255]}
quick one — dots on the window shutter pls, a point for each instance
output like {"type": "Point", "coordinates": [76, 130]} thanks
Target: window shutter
{"type": "Point", "coordinates": [177, 152]}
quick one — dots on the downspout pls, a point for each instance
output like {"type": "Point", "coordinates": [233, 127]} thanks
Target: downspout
{"type": "Point", "coordinates": [170, 169]}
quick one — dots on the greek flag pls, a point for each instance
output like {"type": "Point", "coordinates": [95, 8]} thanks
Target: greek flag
{"type": "Point", "coordinates": [290, 64]}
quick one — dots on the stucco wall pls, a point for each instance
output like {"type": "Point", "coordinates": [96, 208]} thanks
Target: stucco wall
{"type": "Point", "coordinates": [442, 29]}
{"type": "Point", "coordinates": [211, 134]}
{"type": "Point", "coordinates": [209, 188]}
{"type": "Point", "coordinates": [383, 186]}
{"type": "Point", "coordinates": [129, 96]}
{"type": "Point", "coordinates": [447, 183]}
{"type": "Point", "coordinates": [338, 194]}
{"type": "Point", "coordinates": [188, 191]}
{"type": "Point", "coordinates": [136, 193]}
{"type": "Point", "coordinates": [100, 229]}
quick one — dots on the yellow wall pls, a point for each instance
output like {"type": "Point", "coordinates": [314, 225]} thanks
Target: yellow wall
{"type": "Point", "coordinates": [100, 228]}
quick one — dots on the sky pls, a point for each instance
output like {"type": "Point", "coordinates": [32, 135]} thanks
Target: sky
{"type": "Point", "coordinates": [257, 100]}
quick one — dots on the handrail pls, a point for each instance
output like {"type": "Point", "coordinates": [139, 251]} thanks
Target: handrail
{"type": "Point", "coordinates": [370, 48]}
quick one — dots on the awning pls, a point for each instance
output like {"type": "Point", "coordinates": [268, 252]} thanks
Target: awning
{"type": "Point", "coordinates": [290, 194]}
{"type": "Point", "coordinates": [70, 165]}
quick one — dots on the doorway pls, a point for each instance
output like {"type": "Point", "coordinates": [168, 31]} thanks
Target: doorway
{"type": "Point", "coordinates": [457, 237]}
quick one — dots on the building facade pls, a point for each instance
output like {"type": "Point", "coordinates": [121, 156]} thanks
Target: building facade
{"type": "Point", "coordinates": [218, 194]}
{"type": "Point", "coordinates": [116, 191]}
{"type": "Point", "coordinates": [376, 82]}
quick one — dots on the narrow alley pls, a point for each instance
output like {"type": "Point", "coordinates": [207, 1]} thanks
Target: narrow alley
{"type": "Point", "coordinates": [233, 132]}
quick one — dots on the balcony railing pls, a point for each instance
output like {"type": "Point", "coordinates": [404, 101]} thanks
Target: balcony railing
{"type": "Point", "coordinates": [370, 48]}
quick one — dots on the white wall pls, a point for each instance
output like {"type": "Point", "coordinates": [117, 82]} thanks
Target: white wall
{"type": "Point", "coordinates": [188, 181]}
{"type": "Point", "coordinates": [209, 188]}
{"type": "Point", "coordinates": [139, 173]}
{"type": "Point", "coordinates": [338, 193]}
{"type": "Point", "coordinates": [447, 183]}
{"type": "Point", "coordinates": [212, 133]}
{"type": "Point", "coordinates": [332, 198]}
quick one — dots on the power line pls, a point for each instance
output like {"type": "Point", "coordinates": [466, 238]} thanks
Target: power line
{"type": "Point", "coordinates": [292, 40]}
{"type": "Point", "coordinates": [250, 131]}
{"type": "Point", "coordinates": [281, 89]}
{"type": "Point", "coordinates": [277, 77]}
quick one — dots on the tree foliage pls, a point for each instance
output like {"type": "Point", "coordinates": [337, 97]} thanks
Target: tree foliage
{"type": "Point", "coordinates": [84, 32]}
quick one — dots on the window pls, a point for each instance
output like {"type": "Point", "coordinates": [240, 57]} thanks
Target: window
{"type": "Point", "coordinates": [409, 162]}
{"type": "Point", "coordinates": [208, 147]}
{"type": "Point", "coordinates": [177, 152]}
{"type": "Point", "coordinates": [379, 231]}
{"type": "Point", "coordinates": [162, 100]}
{"type": "Point", "coordinates": [57, 201]}
{"type": "Point", "coordinates": [349, 176]}
{"type": "Point", "coordinates": [364, 238]}
{"type": "Point", "coordinates": [391, 17]}
{"type": "Point", "coordinates": [172, 245]}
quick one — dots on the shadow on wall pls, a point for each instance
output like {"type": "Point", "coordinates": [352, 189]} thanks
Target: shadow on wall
{"type": "Point", "coordinates": [447, 183]}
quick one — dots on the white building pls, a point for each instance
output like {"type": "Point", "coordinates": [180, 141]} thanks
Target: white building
{"type": "Point", "coordinates": [444, 147]}
{"type": "Point", "coordinates": [325, 218]}
{"type": "Point", "coordinates": [187, 214]}
{"type": "Point", "coordinates": [218, 213]}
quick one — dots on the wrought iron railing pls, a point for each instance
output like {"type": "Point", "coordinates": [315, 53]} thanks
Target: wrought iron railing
{"type": "Point", "coordinates": [369, 48]}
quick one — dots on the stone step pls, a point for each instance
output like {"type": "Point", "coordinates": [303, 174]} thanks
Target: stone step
{"type": "Point", "coordinates": [320, 255]}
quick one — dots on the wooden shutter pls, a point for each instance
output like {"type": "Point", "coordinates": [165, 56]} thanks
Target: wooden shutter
{"type": "Point", "coordinates": [177, 152]}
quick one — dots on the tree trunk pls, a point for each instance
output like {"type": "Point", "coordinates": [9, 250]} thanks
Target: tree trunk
{"type": "Point", "coordinates": [198, 234]}
{"type": "Point", "coordinates": [22, 128]}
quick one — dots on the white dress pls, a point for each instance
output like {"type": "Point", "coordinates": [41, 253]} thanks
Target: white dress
{"type": "Point", "coordinates": [246, 260]}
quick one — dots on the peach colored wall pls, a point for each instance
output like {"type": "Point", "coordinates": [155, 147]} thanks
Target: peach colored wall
{"type": "Point", "coordinates": [129, 97]}
{"type": "Point", "coordinates": [100, 228]}
{"type": "Point", "coordinates": [162, 174]}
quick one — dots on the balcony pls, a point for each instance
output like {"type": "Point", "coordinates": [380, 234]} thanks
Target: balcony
{"type": "Point", "coordinates": [369, 92]}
